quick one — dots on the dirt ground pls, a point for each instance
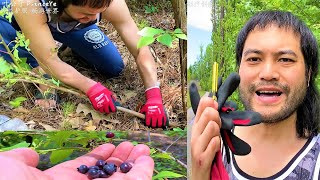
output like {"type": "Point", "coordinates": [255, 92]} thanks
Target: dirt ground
{"type": "Point", "coordinates": [74, 112]}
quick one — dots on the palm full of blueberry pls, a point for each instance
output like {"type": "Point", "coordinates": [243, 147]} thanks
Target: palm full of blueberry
{"type": "Point", "coordinates": [102, 169]}
{"type": "Point", "coordinates": [117, 165]}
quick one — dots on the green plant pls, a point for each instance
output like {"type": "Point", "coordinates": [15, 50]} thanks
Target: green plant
{"type": "Point", "coordinates": [142, 23]}
{"type": "Point", "coordinates": [68, 108]}
{"type": "Point", "coordinates": [165, 37]}
{"type": "Point", "coordinates": [150, 9]}
{"type": "Point", "coordinates": [17, 101]}
{"type": "Point", "coordinates": [6, 13]}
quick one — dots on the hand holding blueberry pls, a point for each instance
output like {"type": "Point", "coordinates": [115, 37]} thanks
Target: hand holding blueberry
{"type": "Point", "coordinates": [22, 163]}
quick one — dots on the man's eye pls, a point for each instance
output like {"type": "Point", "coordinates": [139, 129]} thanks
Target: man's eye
{"type": "Point", "coordinates": [253, 59]}
{"type": "Point", "coordinates": [285, 60]}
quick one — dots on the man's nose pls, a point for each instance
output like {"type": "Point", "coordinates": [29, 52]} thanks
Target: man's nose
{"type": "Point", "coordinates": [269, 71]}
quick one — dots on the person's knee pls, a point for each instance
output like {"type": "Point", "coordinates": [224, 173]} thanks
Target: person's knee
{"type": "Point", "coordinates": [113, 70]}
{"type": "Point", "coordinates": [117, 70]}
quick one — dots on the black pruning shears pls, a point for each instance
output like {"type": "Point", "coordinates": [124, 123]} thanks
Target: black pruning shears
{"type": "Point", "coordinates": [229, 115]}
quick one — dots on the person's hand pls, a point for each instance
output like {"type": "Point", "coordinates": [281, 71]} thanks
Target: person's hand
{"type": "Point", "coordinates": [20, 163]}
{"type": "Point", "coordinates": [102, 99]}
{"type": "Point", "coordinates": [154, 109]}
{"type": "Point", "coordinates": [205, 138]}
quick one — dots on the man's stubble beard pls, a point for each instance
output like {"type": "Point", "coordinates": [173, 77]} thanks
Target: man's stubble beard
{"type": "Point", "coordinates": [295, 98]}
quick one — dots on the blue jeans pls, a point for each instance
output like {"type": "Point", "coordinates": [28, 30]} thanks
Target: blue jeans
{"type": "Point", "coordinates": [90, 43]}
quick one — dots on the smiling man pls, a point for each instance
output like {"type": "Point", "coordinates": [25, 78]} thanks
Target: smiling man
{"type": "Point", "coordinates": [73, 22]}
{"type": "Point", "coordinates": [278, 61]}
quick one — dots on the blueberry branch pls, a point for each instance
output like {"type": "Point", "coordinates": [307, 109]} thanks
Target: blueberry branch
{"type": "Point", "coordinates": [65, 148]}
{"type": "Point", "coordinates": [9, 52]}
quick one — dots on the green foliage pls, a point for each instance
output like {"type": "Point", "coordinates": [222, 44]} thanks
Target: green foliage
{"type": "Point", "coordinates": [150, 9]}
{"type": "Point", "coordinates": [166, 174]}
{"type": "Point", "coordinates": [17, 101]}
{"type": "Point", "coordinates": [68, 108]}
{"type": "Point", "coordinates": [177, 132]}
{"type": "Point", "coordinates": [5, 68]}
{"type": "Point", "coordinates": [167, 167]}
{"type": "Point", "coordinates": [225, 31]}
{"type": "Point", "coordinates": [6, 13]}
{"type": "Point", "coordinates": [149, 35]}
{"type": "Point", "coordinates": [142, 23]}
{"type": "Point", "coordinates": [59, 144]}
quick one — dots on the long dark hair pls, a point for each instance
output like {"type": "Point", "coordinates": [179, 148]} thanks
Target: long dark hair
{"type": "Point", "coordinates": [308, 113]}
{"type": "Point", "coordinates": [91, 3]}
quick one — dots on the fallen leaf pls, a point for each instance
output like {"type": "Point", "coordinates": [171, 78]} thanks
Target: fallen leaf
{"type": "Point", "coordinates": [90, 126]}
{"type": "Point", "coordinates": [31, 124]}
{"type": "Point", "coordinates": [96, 116]}
{"type": "Point", "coordinates": [21, 110]}
{"type": "Point", "coordinates": [83, 108]}
{"type": "Point", "coordinates": [127, 95]}
{"type": "Point", "coordinates": [47, 127]}
{"type": "Point", "coordinates": [108, 126]}
{"type": "Point", "coordinates": [75, 122]}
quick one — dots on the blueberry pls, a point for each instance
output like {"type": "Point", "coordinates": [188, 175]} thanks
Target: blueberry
{"type": "Point", "coordinates": [125, 167]}
{"type": "Point", "coordinates": [102, 174]}
{"type": "Point", "coordinates": [100, 163]}
{"type": "Point", "coordinates": [110, 168]}
{"type": "Point", "coordinates": [93, 173]}
{"type": "Point", "coordinates": [94, 167]}
{"type": "Point", "coordinates": [83, 169]}
{"type": "Point", "coordinates": [110, 135]}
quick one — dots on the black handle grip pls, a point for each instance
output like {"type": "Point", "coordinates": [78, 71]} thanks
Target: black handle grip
{"type": "Point", "coordinates": [194, 97]}
{"type": "Point", "coordinates": [227, 88]}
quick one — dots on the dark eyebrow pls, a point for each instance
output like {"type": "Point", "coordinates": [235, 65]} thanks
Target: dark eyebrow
{"type": "Point", "coordinates": [279, 53]}
{"type": "Point", "coordinates": [290, 52]}
{"type": "Point", "coordinates": [256, 51]}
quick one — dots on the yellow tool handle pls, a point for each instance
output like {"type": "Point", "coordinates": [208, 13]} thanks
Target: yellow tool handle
{"type": "Point", "coordinates": [215, 78]}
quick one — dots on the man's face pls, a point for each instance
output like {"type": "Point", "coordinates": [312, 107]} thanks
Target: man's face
{"type": "Point", "coordinates": [272, 72]}
{"type": "Point", "coordinates": [83, 14]}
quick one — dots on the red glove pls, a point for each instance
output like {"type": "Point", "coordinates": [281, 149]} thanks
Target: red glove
{"type": "Point", "coordinates": [102, 99]}
{"type": "Point", "coordinates": [153, 109]}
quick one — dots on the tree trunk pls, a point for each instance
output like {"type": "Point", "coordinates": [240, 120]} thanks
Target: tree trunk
{"type": "Point", "coordinates": [180, 16]}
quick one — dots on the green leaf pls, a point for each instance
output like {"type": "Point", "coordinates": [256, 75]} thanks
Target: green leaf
{"type": "Point", "coordinates": [166, 174]}
{"type": "Point", "coordinates": [178, 31]}
{"type": "Point", "coordinates": [23, 64]}
{"type": "Point", "coordinates": [16, 53]}
{"type": "Point", "coordinates": [19, 145]}
{"type": "Point", "coordinates": [165, 39]}
{"type": "Point", "coordinates": [134, 143]}
{"type": "Point", "coordinates": [61, 137]}
{"type": "Point", "coordinates": [59, 155]}
{"type": "Point", "coordinates": [181, 36]}
{"type": "Point", "coordinates": [9, 16]}
{"type": "Point", "coordinates": [26, 44]}
{"type": "Point", "coordinates": [145, 41]}
{"type": "Point", "coordinates": [150, 32]}
{"type": "Point", "coordinates": [4, 66]}
{"type": "Point", "coordinates": [20, 35]}
{"type": "Point", "coordinates": [162, 156]}
{"type": "Point", "coordinates": [57, 83]}
{"type": "Point", "coordinates": [17, 101]}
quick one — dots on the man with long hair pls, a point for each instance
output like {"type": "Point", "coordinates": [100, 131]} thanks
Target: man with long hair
{"type": "Point", "coordinates": [73, 23]}
{"type": "Point", "coordinates": [278, 61]}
